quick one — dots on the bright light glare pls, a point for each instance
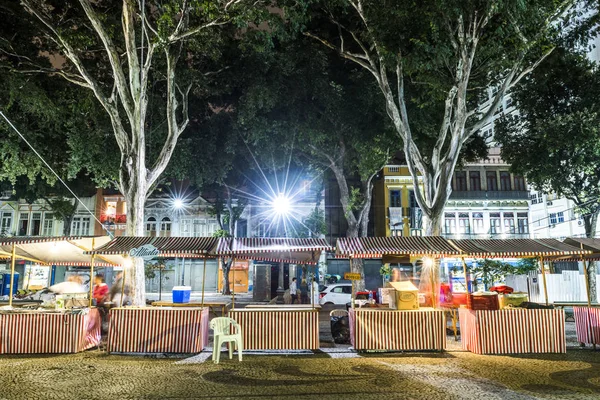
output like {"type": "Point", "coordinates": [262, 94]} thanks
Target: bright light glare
{"type": "Point", "coordinates": [428, 262]}
{"type": "Point", "coordinates": [281, 204]}
{"type": "Point", "coordinates": [178, 204]}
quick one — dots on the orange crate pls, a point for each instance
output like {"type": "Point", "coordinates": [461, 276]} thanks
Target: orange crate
{"type": "Point", "coordinates": [479, 302]}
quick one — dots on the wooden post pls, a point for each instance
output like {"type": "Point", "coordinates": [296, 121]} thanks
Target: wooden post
{"type": "Point", "coordinates": [92, 280]}
{"type": "Point", "coordinates": [544, 279]}
{"type": "Point", "coordinates": [587, 281]}
{"type": "Point", "coordinates": [433, 288]}
{"type": "Point", "coordinates": [233, 289]}
{"type": "Point", "coordinates": [352, 296]}
{"type": "Point", "coordinates": [203, 280]}
{"type": "Point", "coordinates": [12, 274]}
{"type": "Point", "coordinates": [92, 275]}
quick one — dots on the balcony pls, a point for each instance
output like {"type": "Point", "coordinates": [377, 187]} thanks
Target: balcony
{"type": "Point", "coordinates": [486, 236]}
{"type": "Point", "coordinates": [397, 215]}
{"type": "Point", "coordinates": [490, 195]}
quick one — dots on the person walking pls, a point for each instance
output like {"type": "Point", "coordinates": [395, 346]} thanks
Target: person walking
{"type": "Point", "coordinates": [119, 292]}
{"type": "Point", "coordinates": [294, 290]}
{"type": "Point", "coordinates": [100, 290]}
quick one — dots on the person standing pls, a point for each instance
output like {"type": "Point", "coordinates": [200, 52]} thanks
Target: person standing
{"type": "Point", "coordinates": [294, 290]}
{"type": "Point", "coordinates": [100, 289]}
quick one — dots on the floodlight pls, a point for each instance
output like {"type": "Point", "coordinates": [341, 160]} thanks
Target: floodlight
{"type": "Point", "coordinates": [281, 204]}
{"type": "Point", "coordinates": [178, 204]}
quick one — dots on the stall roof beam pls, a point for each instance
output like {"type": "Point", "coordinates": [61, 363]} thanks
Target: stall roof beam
{"type": "Point", "coordinates": [375, 247]}
{"type": "Point", "coordinates": [166, 246]}
{"type": "Point", "coordinates": [515, 248]}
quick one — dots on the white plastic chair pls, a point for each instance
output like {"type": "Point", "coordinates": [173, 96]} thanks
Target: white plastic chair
{"type": "Point", "coordinates": [222, 328]}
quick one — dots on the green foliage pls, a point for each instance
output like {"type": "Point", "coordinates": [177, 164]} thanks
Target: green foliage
{"type": "Point", "coordinates": [492, 271]}
{"type": "Point", "coordinates": [221, 233]}
{"type": "Point", "coordinates": [555, 141]}
{"type": "Point", "coordinates": [385, 270]}
{"type": "Point", "coordinates": [151, 268]}
{"type": "Point", "coordinates": [315, 222]}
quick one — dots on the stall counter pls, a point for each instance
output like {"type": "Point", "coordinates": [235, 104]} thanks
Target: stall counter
{"type": "Point", "coordinates": [157, 330]}
{"type": "Point", "coordinates": [513, 331]}
{"type": "Point", "coordinates": [282, 328]}
{"type": "Point", "coordinates": [587, 324]}
{"type": "Point", "coordinates": [397, 330]}
{"type": "Point", "coordinates": [42, 332]}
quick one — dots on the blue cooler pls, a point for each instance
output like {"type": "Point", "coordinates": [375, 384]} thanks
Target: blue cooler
{"type": "Point", "coordinates": [181, 294]}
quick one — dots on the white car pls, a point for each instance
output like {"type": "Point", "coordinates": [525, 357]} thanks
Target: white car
{"type": "Point", "coordinates": [338, 293]}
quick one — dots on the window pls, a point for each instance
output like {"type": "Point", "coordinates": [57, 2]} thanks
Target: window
{"type": "Point", "coordinates": [478, 223]}
{"type": "Point", "coordinates": [165, 227]}
{"type": "Point", "coordinates": [495, 223]}
{"type": "Point", "coordinates": [36, 224]}
{"type": "Point", "coordinates": [413, 199]}
{"type": "Point", "coordinates": [23, 224]}
{"type": "Point", "coordinates": [509, 103]}
{"type": "Point", "coordinates": [111, 209]}
{"type": "Point", "coordinates": [450, 223]}
{"type": "Point", "coordinates": [560, 216]}
{"type": "Point", "coordinates": [395, 198]}
{"type": "Point", "coordinates": [463, 223]}
{"type": "Point", "coordinates": [475, 180]}
{"type": "Point", "coordinates": [48, 224]}
{"type": "Point", "coordinates": [186, 227]}
{"type": "Point", "coordinates": [552, 218]}
{"type": "Point", "coordinates": [522, 223]}
{"type": "Point", "coordinates": [338, 289]}
{"type": "Point", "coordinates": [347, 289]}
{"type": "Point", "coordinates": [519, 183]}
{"type": "Point", "coordinates": [533, 198]}
{"type": "Point", "coordinates": [509, 222]}
{"type": "Point", "coordinates": [460, 181]}
{"type": "Point", "coordinates": [151, 227]}
{"type": "Point", "coordinates": [492, 181]}
{"type": "Point", "coordinates": [504, 180]}
{"type": "Point", "coordinates": [5, 223]}
{"type": "Point", "coordinates": [80, 226]}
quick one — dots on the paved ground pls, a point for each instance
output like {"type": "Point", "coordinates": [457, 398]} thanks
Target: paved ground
{"type": "Point", "coordinates": [333, 372]}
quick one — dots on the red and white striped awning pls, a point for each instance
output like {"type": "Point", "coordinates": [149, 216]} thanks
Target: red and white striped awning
{"type": "Point", "coordinates": [377, 247]}
{"type": "Point", "coordinates": [288, 250]}
{"type": "Point", "coordinates": [59, 250]}
{"type": "Point", "coordinates": [508, 248]}
{"type": "Point", "coordinates": [190, 247]}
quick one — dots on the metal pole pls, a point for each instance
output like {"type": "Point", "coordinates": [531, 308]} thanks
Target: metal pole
{"type": "Point", "coordinates": [544, 279]}
{"type": "Point", "coordinates": [352, 296]}
{"type": "Point", "coordinates": [433, 288]}
{"type": "Point", "coordinates": [203, 280]}
{"type": "Point", "coordinates": [159, 282]}
{"type": "Point", "coordinates": [12, 274]}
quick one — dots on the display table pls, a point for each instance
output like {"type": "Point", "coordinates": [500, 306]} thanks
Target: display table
{"type": "Point", "coordinates": [38, 332]}
{"type": "Point", "coordinates": [282, 328]}
{"type": "Point", "coordinates": [386, 329]}
{"type": "Point", "coordinates": [221, 305]}
{"type": "Point", "coordinates": [587, 324]}
{"type": "Point", "coordinates": [512, 331]}
{"type": "Point", "coordinates": [157, 330]}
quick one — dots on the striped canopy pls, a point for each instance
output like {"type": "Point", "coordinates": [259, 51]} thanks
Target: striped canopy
{"type": "Point", "coordinates": [591, 244]}
{"type": "Point", "coordinates": [167, 246]}
{"type": "Point", "coordinates": [289, 250]}
{"type": "Point", "coordinates": [507, 248]}
{"type": "Point", "coordinates": [375, 247]}
{"type": "Point", "coordinates": [59, 250]}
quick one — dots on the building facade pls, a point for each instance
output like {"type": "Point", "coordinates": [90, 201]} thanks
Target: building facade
{"type": "Point", "coordinates": [487, 201]}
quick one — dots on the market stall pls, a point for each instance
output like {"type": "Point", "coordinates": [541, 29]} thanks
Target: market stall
{"type": "Point", "coordinates": [281, 327]}
{"type": "Point", "coordinates": [486, 329]}
{"type": "Point", "coordinates": [393, 328]}
{"type": "Point", "coordinates": [44, 329]}
{"type": "Point", "coordinates": [159, 329]}
{"type": "Point", "coordinates": [587, 318]}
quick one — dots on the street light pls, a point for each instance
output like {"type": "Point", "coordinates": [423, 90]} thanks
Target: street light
{"type": "Point", "coordinates": [281, 205]}
{"type": "Point", "coordinates": [178, 204]}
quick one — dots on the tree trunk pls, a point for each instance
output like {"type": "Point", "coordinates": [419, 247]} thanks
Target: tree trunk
{"type": "Point", "coordinates": [67, 220]}
{"type": "Point", "coordinates": [226, 263]}
{"type": "Point", "coordinates": [590, 223]}
{"type": "Point", "coordinates": [432, 224]}
{"type": "Point", "coordinates": [135, 199]}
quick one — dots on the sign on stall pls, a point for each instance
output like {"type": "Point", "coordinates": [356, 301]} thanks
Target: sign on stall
{"type": "Point", "coordinates": [352, 276]}
{"type": "Point", "coordinates": [146, 252]}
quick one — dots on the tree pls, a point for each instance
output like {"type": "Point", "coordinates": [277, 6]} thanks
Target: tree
{"type": "Point", "coordinates": [119, 52]}
{"type": "Point", "coordinates": [555, 140]}
{"type": "Point", "coordinates": [432, 62]}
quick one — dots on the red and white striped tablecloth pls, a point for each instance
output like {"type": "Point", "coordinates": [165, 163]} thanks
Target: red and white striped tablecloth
{"type": "Point", "coordinates": [512, 331]}
{"type": "Point", "coordinates": [587, 324]}
{"type": "Point", "coordinates": [274, 329]}
{"type": "Point", "coordinates": [36, 333]}
{"type": "Point", "coordinates": [157, 330]}
{"type": "Point", "coordinates": [372, 329]}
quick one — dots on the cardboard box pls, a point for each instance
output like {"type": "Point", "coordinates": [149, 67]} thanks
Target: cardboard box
{"type": "Point", "coordinates": [513, 299]}
{"type": "Point", "coordinates": [407, 295]}
{"type": "Point", "coordinates": [483, 301]}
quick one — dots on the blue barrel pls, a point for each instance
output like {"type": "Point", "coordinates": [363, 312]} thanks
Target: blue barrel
{"type": "Point", "coordinates": [5, 289]}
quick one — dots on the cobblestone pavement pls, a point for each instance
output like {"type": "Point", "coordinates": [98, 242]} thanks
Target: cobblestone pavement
{"type": "Point", "coordinates": [451, 375]}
